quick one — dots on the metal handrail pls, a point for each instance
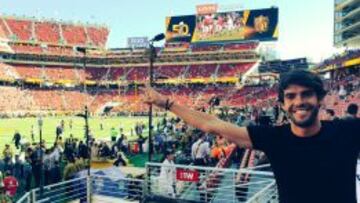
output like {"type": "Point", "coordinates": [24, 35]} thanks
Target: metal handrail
{"type": "Point", "coordinates": [228, 170]}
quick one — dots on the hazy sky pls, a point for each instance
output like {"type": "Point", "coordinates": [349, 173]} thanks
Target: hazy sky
{"type": "Point", "coordinates": [305, 27]}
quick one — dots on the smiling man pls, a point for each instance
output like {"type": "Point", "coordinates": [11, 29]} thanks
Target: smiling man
{"type": "Point", "coordinates": [313, 160]}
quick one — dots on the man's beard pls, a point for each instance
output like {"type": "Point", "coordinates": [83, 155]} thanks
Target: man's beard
{"type": "Point", "coordinates": [310, 120]}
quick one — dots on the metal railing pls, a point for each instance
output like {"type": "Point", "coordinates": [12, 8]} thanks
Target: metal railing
{"type": "Point", "coordinates": [65, 191]}
{"type": "Point", "coordinates": [98, 188]}
{"type": "Point", "coordinates": [181, 182]}
{"type": "Point", "coordinates": [124, 188]}
{"type": "Point", "coordinates": [208, 184]}
{"type": "Point", "coordinates": [26, 198]}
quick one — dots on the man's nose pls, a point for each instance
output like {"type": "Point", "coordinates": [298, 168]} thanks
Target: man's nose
{"type": "Point", "coordinates": [298, 100]}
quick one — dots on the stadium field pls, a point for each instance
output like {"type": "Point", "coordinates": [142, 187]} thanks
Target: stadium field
{"type": "Point", "coordinates": [8, 126]}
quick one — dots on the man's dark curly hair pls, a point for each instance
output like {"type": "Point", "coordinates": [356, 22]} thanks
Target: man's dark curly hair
{"type": "Point", "coordinates": [302, 78]}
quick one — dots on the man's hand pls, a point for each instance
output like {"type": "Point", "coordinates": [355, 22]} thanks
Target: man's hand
{"type": "Point", "coordinates": [151, 96]}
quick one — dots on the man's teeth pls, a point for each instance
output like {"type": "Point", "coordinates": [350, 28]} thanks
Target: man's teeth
{"type": "Point", "coordinates": [301, 111]}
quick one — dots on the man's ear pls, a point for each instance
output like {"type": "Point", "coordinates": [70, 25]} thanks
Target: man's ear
{"type": "Point", "coordinates": [322, 103]}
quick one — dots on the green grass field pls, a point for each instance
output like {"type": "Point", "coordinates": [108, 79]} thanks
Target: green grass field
{"type": "Point", "coordinates": [23, 125]}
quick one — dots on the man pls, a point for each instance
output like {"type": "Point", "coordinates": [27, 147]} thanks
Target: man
{"type": "Point", "coordinates": [312, 160]}
{"type": "Point", "coordinates": [4, 198]}
{"type": "Point", "coordinates": [11, 184]}
{"type": "Point", "coordinates": [7, 152]}
{"type": "Point", "coordinates": [27, 174]}
{"type": "Point", "coordinates": [200, 151]}
{"type": "Point", "coordinates": [32, 133]}
{"type": "Point", "coordinates": [16, 139]}
{"type": "Point", "coordinates": [167, 175]}
{"type": "Point", "coordinates": [59, 131]}
{"type": "Point", "coordinates": [351, 112]}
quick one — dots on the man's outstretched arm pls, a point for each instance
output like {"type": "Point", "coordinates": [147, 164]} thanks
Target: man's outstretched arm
{"type": "Point", "coordinates": [203, 121]}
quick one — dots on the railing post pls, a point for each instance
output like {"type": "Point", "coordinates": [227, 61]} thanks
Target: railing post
{"type": "Point", "coordinates": [207, 174]}
{"type": "Point", "coordinates": [234, 184]}
{"type": "Point", "coordinates": [88, 189]}
{"type": "Point", "coordinates": [33, 196]}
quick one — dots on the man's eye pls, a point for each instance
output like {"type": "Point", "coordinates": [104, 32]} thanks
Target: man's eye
{"type": "Point", "coordinates": [290, 96]}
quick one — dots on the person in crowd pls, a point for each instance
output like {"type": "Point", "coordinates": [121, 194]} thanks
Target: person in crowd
{"type": "Point", "coordinates": [351, 112]}
{"type": "Point", "coordinates": [47, 166]}
{"type": "Point", "coordinates": [82, 150]}
{"type": "Point", "coordinates": [27, 174]}
{"type": "Point", "coordinates": [18, 168]}
{"type": "Point", "coordinates": [55, 172]}
{"type": "Point", "coordinates": [119, 160]}
{"type": "Point", "coordinates": [113, 134]}
{"type": "Point", "coordinates": [4, 197]}
{"type": "Point", "coordinates": [167, 175]}
{"type": "Point", "coordinates": [104, 150]}
{"type": "Point", "coordinates": [140, 142]}
{"type": "Point", "coordinates": [200, 150]}
{"type": "Point", "coordinates": [330, 115]}
{"type": "Point", "coordinates": [36, 163]}
{"type": "Point", "coordinates": [11, 184]}
{"type": "Point", "coordinates": [7, 152]}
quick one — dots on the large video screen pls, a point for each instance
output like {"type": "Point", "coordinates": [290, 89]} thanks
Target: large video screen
{"type": "Point", "coordinates": [259, 25]}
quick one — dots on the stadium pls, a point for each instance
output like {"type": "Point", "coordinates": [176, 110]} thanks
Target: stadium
{"type": "Point", "coordinates": [75, 128]}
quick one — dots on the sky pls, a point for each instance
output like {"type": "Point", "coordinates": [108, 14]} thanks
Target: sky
{"type": "Point", "coordinates": [305, 27]}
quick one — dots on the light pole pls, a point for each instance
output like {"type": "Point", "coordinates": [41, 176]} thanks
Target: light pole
{"type": "Point", "coordinates": [152, 57]}
{"type": "Point", "coordinates": [40, 124]}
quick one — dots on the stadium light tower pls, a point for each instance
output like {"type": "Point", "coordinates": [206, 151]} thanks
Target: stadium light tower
{"type": "Point", "coordinates": [152, 57]}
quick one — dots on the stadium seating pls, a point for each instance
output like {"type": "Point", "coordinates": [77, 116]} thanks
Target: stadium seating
{"type": "Point", "coordinates": [201, 71]}
{"type": "Point", "coordinates": [8, 73]}
{"type": "Point", "coordinates": [243, 46]}
{"type": "Point", "coordinates": [59, 50]}
{"type": "Point", "coordinates": [4, 31]}
{"type": "Point", "coordinates": [138, 74]}
{"type": "Point", "coordinates": [49, 100]}
{"type": "Point", "coordinates": [22, 29]}
{"type": "Point", "coordinates": [29, 71]}
{"type": "Point", "coordinates": [96, 74]}
{"type": "Point", "coordinates": [60, 73]}
{"type": "Point", "coordinates": [206, 48]}
{"type": "Point", "coordinates": [75, 101]}
{"type": "Point", "coordinates": [101, 74]}
{"type": "Point", "coordinates": [47, 32]}
{"type": "Point", "coordinates": [26, 48]}
{"type": "Point", "coordinates": [12, 100]}
{"type": "Point", "coordinates": [74, 34]}
{"type": "Point", "coordinates": [226, 70]}
{"type": "Point", "coordinates": [98, 36]}
{"type": "Point", "coordinates": [117, 73]}
{"type": "Point", "coordinates": [169, 71]}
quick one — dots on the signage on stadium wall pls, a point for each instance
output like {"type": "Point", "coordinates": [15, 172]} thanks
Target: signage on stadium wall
{"type": "Point", "coordinates": [259, 25]}
{"type": "Point", "coordinates": [138, 42]}
{"type": "Point", "coordinates": [206, 9]}
{"type": "Point", "coordinates": [187, 175]}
